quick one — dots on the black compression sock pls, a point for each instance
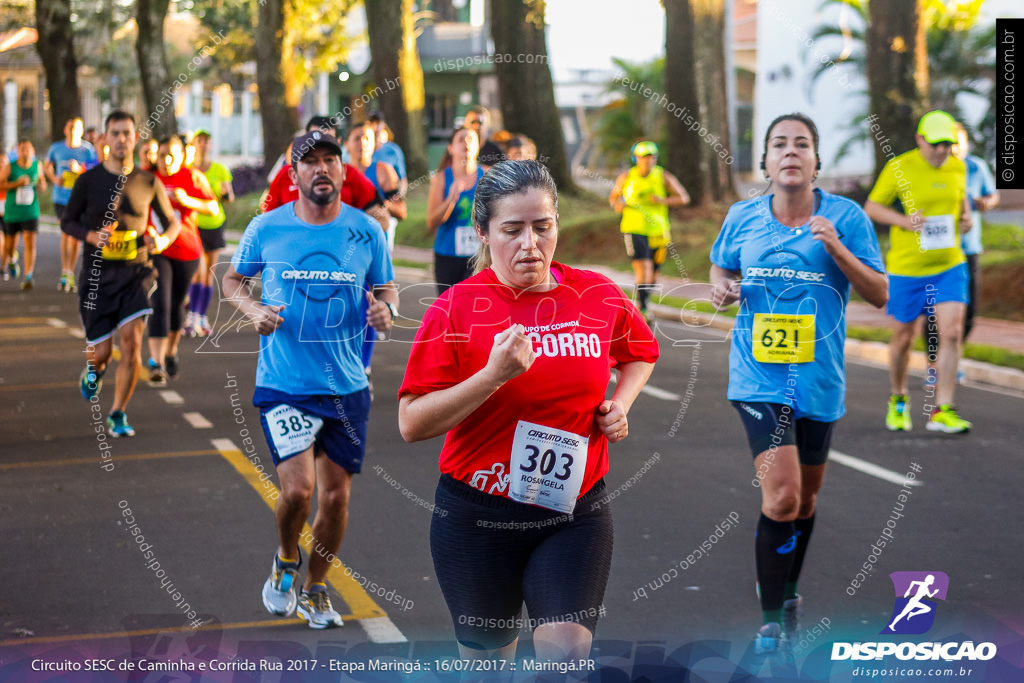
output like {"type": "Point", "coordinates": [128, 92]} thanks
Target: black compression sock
{"type": "Point", "coordinates": [774, 546]}
{"type": "Point", "coordinates": [803, 529]}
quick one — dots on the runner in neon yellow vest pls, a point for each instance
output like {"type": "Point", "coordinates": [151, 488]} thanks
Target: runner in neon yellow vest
{"type": "Point", "coordinates": [642, 195]}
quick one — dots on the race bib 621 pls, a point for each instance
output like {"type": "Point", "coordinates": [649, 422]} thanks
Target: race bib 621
{"type": "Point", "coordinates": [783, 338]}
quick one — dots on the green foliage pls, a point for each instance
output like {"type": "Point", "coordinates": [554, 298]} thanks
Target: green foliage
{"type": "Point", "coordinates": [236, 19]}
{"type": "Point", "coordinates": [1003, 237]}
{"type": "Point", "coordinates": [315, 28]}
{"type": "Point", "coordinates": [16, 14]}
{"type": "Point", "coordinates": [960, 56]}
{"type": "Point", "coordinates": [239, 212]}
{"type": "Point", "coordinates": [632, 115]}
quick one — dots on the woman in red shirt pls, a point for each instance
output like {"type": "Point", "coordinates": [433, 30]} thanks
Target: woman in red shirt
{"type": "Point", "coordinates": [512, 366]}
{"type": "Point", "coordinates": [190, 195]}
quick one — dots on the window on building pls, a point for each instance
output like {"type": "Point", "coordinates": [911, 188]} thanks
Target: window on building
{"type": "Point", "coordinates": [27, 111]}
{"type": "Point", "coordinates": [439, 115]}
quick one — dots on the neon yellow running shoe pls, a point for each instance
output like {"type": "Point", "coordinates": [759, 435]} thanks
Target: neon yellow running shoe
{"type": "Point", "coordinates": [947, 421]}
{"type": "Point", "coordinates": [898, 417]}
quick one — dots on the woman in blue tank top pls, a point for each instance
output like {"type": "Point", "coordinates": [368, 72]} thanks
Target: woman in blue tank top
{"type": "Point", "coordinates": [450, 206]}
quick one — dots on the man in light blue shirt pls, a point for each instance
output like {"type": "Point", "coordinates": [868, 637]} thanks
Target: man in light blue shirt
{"type": "Point", "coordinates": [65, 161]}
{"type": "Point", "coordinates": [313, 256]}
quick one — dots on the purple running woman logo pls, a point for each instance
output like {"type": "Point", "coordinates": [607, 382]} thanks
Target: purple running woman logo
{"type": "Point", "coordinates": [916, 593]}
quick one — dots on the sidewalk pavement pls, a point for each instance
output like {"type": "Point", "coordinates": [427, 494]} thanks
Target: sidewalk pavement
{"type": "Point", "coordinates": [989, 331]}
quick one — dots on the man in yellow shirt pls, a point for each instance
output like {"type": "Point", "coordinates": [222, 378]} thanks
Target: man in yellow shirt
{"type": "Point", "coordinates": [642, 195]}
{"type": "Point", "coordinates": [926, 265]}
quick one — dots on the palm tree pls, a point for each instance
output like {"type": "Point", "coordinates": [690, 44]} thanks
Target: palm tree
{"type": "Point", "coordinates": [960, 56]}
{"type": "Point", "coordinates": [631, 115]}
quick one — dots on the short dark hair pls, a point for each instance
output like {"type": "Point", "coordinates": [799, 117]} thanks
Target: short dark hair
{"type": "Point", "coordinates": [170, 140]}
{"type": "Point", "coordinates": [118, 115]}
{"type": "Point", "coordinates": [355, 126]}
{"type": "Point", "coordinates": [320, 122]}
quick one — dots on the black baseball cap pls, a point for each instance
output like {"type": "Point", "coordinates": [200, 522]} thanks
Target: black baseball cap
{"type": "Point", "coordinates": [307, 142]}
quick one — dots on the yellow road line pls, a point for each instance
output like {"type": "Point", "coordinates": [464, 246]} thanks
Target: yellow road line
{"type": "Point", "coordinates": [116, 458]}
{"type": "Point", "coordinates": [34, 387]}
{"type": "Point", "coordinates": [18, 333]}
{"type": "Point", "coordinates": [22, 321]}
{"type": "Point", "coordinates": [362, 605]}
{"type": "Point", "coordinates": [15, 642]}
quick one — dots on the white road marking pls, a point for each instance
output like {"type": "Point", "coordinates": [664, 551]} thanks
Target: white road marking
{"type": "Point", "coordinates": [378, 629]}
{"type": "Point", "coordinates": [654, 391]}
{"type": "Point", "coordinates": [660, 393]}
{"type": "Point", "coordinates": [225, 445]}
{"type": "Point", "coordinates": [197, 420]}
{"type": "Point", "coordinates": [172, 397]}
{"type": "Point", "coordinates": [77, 333]}
{"type": "Point", "coordinates": [382, 630]}
{"type": "Point", "coordinates": [56, 322]}
{"type": "Point", "coordinates": [874, 470]}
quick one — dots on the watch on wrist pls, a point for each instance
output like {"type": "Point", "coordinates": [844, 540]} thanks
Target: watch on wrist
{"type": "Point", "coordinates": [392, 310]}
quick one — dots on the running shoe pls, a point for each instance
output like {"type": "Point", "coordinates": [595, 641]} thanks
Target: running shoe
{"type": "Point", "coordinates": [157, 377]}
{"type": "Point", "coordinates": [62, 286]}
{"type": "Point", "coordinates": [171, 363]}
{"type": "Point", "coordinates": [117, 425]}
{"type": "Point", "coordinates": [315, 608]}
{"type": "Point", "coordinates": [770, 640]}
{"type": "Point", "coordinates": [189, 327]}
{"type": "Point", "coordinates": [947, 421]}
{"type": "Point", "coordinates": [14, 270]}
{"type": "Point", "coordinates": [791, 613]}
{"type": "Point", "coordinates": [90, 382]}
{"type": "Point", "coordinates": [279, 592]}
{"type": "Point", "coordinates": [203, 328]}
{"type": "Point", "coordinates": [27, 283]}
{"type": "Point", "coordinates": [6, 275]}
{"type": "Point", "coordinates": [898, 417]}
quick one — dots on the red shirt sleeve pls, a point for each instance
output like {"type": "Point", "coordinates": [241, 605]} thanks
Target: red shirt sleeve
{"type": "Point", "coordinates": [357, 190]}
{"type": "Point", "coordinates": [200, 187]}
{"type": "Point", "coordinates": [278, 192]}
{"type": "Point", "coordinates": [432, 364]}
{"type": "Point", "coordinates": [633, 339]}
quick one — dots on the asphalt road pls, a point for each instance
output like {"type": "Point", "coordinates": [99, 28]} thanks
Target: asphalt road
{"type": "Point", "coordinates": [76, 583]}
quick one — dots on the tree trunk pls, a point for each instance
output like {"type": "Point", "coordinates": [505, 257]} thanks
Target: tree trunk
{"type": "Point", "coordinates": [53, 21]}
{"type": "Point", "coordinates": [526, 90]}
{"type": "Point", "coordinates": [399, 75]}
{"type": "Point", "coordinates": [273, 60]}
{"type": "Point", "coordinates": [157, 89]}
{"type": "Point", "coordinates": [684, 147]}
{"type": "Point", "coordinates": [897, 70]}
{"type": "Point", "coordinates": [712, 89]}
